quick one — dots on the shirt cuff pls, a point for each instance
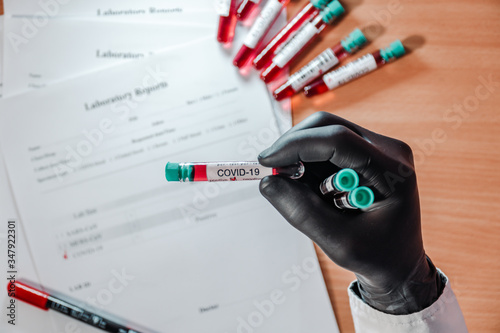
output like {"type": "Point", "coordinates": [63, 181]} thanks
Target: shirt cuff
{"type": "Point", "coordinates": [444, 315]}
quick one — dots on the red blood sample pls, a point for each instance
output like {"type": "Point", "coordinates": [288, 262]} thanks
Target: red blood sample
{"type": "Point", "coordinates": [261, 26]}
{"type": "Point", "coordinates": [355, 69]}
{"type": "Point", "coordinates": [305, 14]}
{"type": "Point", "coordinates": [245, 8]}
{"type": "Point", "coordinates": [227, 20]}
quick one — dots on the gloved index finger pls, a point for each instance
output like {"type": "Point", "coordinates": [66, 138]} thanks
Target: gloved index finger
{"type": "Point", "coordinates": [322, 118]}
{"type": "Point", "coordinates": [334, 143]}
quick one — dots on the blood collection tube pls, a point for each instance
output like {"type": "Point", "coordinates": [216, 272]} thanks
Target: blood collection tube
{"type": "Point", "coordinates": [227, 171]}
{"type": "Point", "coordinates": [355, 69]}
{"type": "Point", "coordinates": [307, 33]}
{"type": "Point", "coordinates": [360, 198]}
{"type": "Point", "coordinates": [245, 8]}
{"type": "Point", "coordinates": [345, 180]}
{"type": "Point", "coordinates": [309, 11]}
{"type": "Point", "coordinates": [261, 26]}
{"type": "Point", "coordinates": [227, 20]}
{"type": "Point", "coordinates": [321, 64]}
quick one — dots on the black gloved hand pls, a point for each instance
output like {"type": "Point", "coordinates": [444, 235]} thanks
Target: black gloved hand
{"type": "Point", "coordinates": [382, 245]}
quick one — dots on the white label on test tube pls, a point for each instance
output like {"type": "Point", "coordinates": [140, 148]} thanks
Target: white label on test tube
{"type": "Point", "coordinates": [329, 184]}
{"type": "Point", "coordinates": [222, 7]}
{"type": "Point", "coordinates": [236, 171]}
{"type": "Point", "coordinates": [350, 71]}
{"type": "Point", "coordinates": [313, 69]}
{"type": "Point", "coordinates": [262, 23]}
{"type": "Point", "coordinates": [295, 44]}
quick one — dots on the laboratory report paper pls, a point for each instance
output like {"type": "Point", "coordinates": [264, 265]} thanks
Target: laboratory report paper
{"type": "Point", "coordinates": [93, 45]}
{"type": "Point", "coordinates": [86, 161]}
{"type": "Point", "coordinates": [179, 11]}
{"type": "Point", "coordinates": [101, 44]}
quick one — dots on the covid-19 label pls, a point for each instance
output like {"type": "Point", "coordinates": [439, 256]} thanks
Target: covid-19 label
{"type": "Point", "coordinates": [350, 71]}
{"type": "Point", "coordinates": [263, 23]}
{"type": "Point", "coordinates": [313, 69]}
{"type": "Point", "coordinates": [237, 171]}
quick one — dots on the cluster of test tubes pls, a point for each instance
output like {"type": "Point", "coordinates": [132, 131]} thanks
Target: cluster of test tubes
{"type": "Point", "coordinates": [347, 194]}
{"type": "Point", "coordinates": [343, 185]}
{"type": "Point", "coordinates": [291, 41]}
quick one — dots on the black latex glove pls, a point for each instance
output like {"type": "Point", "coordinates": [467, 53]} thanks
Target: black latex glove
{"type": "Point", "coordinates": [382, 245]}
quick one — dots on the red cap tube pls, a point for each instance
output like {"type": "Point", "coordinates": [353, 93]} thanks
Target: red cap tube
{"type": "Point", "coordinates": [28, 294]}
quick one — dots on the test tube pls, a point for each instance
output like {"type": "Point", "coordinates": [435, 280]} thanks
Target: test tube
{"type": "Point", "coordinates": [228, 171]}
{"type": "Point", "coordinates": [308, 12]}
{"type": "Point", "coordinates": [245, 8]}
{"type": "Point", "coordinates": [261, 26]}
{"type": "Point", "coordinates": [321, 64]}
{"type": "Point", "coordinates": [345, 180]}
{"type": "Point", "coordinates": [355, 69]}
{"type": "Point", "coordinates": [295, 45]}
{"type": "Point", "coordinates": [227, 20]}
{"type": "Point", "coordinates": [360, 198]}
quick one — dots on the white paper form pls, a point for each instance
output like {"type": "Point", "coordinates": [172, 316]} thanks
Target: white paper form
{"type": "Point", "coordinates": [68, 48]}
{"type": "Point", "coordinates": [47, 57]}
{"type": "Point", "coordinates": [86, 160]}
{"type": "Point", "coordinates": [183, 12]}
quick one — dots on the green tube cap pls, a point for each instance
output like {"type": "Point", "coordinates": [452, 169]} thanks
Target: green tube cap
{"type": "Point", "coordinates": [362, 197]}
{"type": "Point", "coordinates": [320, 4]}
{"type": "Point", "coordinates": [333, 10]}
{"type": "Point", "coordinates": [394, 51]}
{"type": "Point", "coordinates": [354, 41]}
{"type": "Point", "coordinates": [172, 172]}
{"type": "Point", "coordinates": [346, 180]}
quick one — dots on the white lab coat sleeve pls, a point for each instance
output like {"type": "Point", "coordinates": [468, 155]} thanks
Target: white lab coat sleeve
{"type": "Point", "coordinates": [443, 316]}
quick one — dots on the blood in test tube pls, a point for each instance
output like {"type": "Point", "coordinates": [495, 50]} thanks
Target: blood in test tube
{"type": "Point", "coordinates": [345, 180]}
{"type": "Point", "coordinates": [355, 69]}
{"type": "Point", "coordinates": [295, 45]}
{"type": "Point", "coordinates": [227, 20]}
{"type": "Point", "coordinates": [360, 198]}
{"type": "Point", "coordinates": [308, 12]}
{"type": "Point", "coordinates": [245, 8]}
{"type": "Point", "coordinates": [325, 61]}
{"type": "Point", "coordinates": [228, 171]}
{"type": "Point", "coordinates": [260, 27]}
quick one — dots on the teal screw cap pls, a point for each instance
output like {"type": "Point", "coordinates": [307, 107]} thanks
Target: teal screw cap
{"type": "Point", "coordinates": [354, 41]}
{"type": "Point", "coordinates": [394, 51]}
{"type": "Point", "coordinates": [320, 4]}
{"type": "Point", "coordinates": [333, 10]}
{"type": "Point", "coordinates": [361, 198]}
{"type": "Point", "coordinates": [346, 180]}
{"type": "Point", "coordinates": [172, 172]}
{"type": "Point", "coordinates": [175, 172]}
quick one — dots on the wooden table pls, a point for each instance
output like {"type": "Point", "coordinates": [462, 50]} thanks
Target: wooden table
{"type": "Point", "coordinates": [410, 100]}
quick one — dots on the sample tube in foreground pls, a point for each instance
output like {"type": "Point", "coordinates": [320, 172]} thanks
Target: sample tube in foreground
{"type": "Point", "coordinates": [343, 181]}
{"type": "Point", "coordinates": [360, 198]}
{"type": "Point", "coordinates": [309, 11]}
{"type": "Point", "coordinates": [355, 69]}
{"type": "Point", "coordinates": [227, 171]}
{"type": "Point", "coordinates": [321, 64]}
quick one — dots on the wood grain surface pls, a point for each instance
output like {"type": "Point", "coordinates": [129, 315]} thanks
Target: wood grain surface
{"type": "Point", "coordinates": [434, 99]}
